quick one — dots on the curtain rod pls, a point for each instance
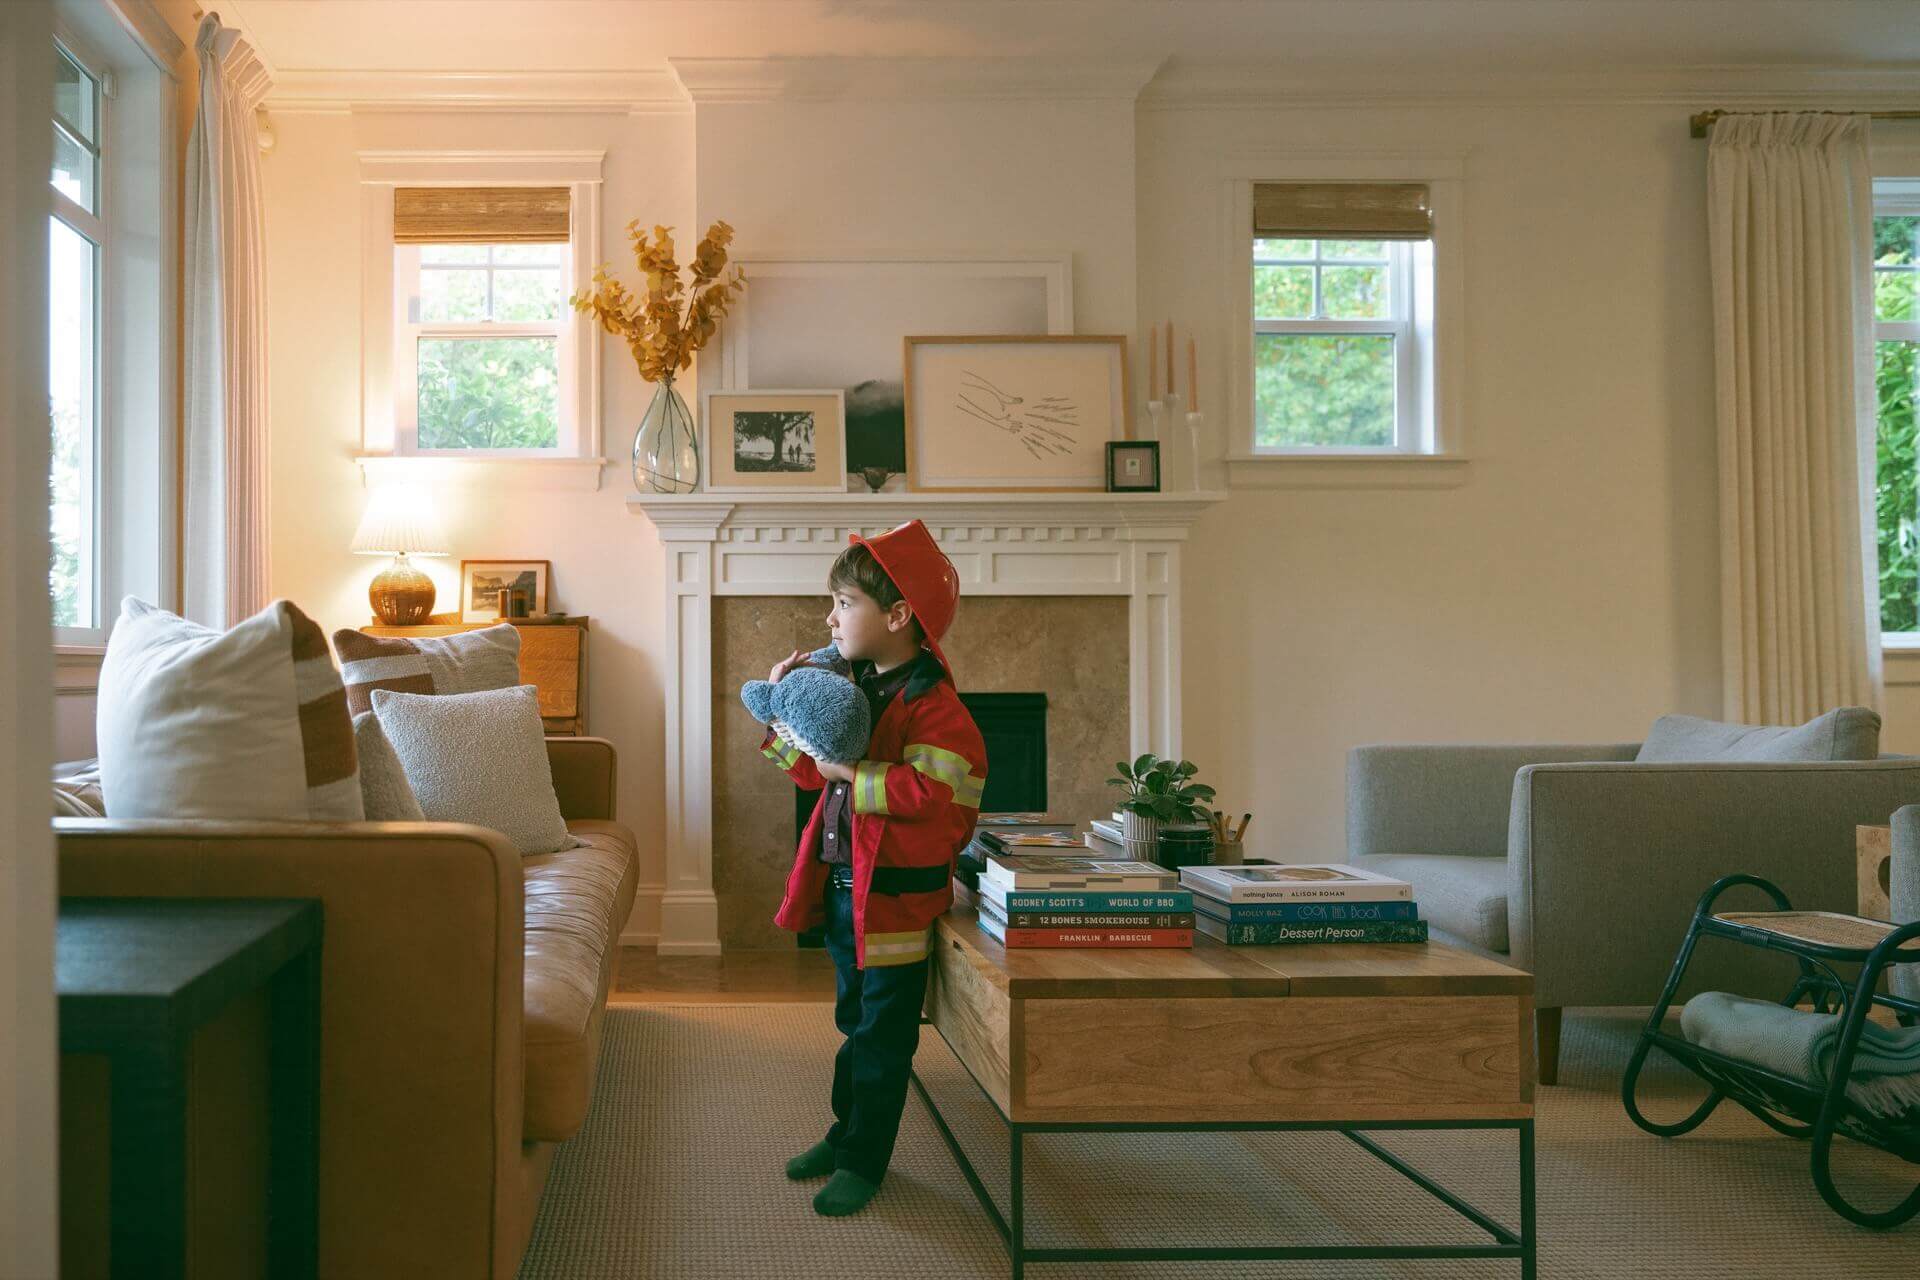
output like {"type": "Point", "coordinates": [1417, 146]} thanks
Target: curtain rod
{"type": "Point", "coordinates": [1702, 123]}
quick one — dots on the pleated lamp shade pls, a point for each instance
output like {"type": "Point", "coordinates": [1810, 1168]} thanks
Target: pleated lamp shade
{"type": "Point", "coordinates": [399, 521]}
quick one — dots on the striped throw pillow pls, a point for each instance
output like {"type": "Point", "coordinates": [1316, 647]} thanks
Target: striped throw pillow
{"type": "Point", "coordinates": [250, 722]}
{"type": "Point", "coordinates": [464, 662]}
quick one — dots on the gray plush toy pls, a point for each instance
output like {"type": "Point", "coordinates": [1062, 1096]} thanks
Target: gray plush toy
{"type": "Point", "coordinates": [816, 708]}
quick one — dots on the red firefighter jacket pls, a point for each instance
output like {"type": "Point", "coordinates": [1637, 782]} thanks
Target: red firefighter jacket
{"type": "Point", "coordinates": [910, 820]}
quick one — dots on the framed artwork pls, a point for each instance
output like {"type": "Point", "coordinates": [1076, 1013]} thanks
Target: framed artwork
{"type": "Point", "coordinates": [837, 322]}
{"type": "Point", "coordinates": [1014, 412]}
{"type": "Point", "coordinates": [1133, 466]}
{"type": "Point", "coordinates": [482, 581]}
{"type": "Point", "coordinates": [790, 441]}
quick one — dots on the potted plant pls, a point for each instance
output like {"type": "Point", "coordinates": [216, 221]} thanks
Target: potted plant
{"type": "Point", "coordinates": [663, 329]}
{"type": "Point", "coordinates": [1158, 792]}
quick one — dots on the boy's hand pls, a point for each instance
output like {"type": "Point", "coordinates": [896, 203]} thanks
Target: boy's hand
{"type": "Point", "coordinates": [797, 659]}
{"type": "Point", "coordinates": [834, 772]}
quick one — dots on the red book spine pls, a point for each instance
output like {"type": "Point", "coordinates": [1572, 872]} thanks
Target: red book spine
{"type": "Point", "coordinates": [1099, 938]}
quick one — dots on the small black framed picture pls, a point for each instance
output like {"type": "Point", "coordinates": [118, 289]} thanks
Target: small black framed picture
{"type": "Point", "coordinates": [1133, 466]}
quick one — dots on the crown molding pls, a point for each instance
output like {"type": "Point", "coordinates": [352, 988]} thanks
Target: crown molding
{"type": "Point", "coordinates": [807, 79]}
{"type": "Point", "coordinates": [652, 92]}
{"type": "Point", "coordinates": [1185, 85]}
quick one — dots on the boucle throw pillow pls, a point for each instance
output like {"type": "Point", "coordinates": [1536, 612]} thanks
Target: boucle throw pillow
{"type": "Point", "coordinates": [1845, 733]}
{"type": "Point", "coordinates": [383, 783]}
{"type": "Point", "coordinates": [464, 662]}
{"type": "Point", "coordinates": [479, 758]}
{"type": "Point", "coordinates": [245, 723]}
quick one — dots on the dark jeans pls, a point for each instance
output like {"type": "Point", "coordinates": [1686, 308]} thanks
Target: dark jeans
{"type": "Point", "coordinates": [878, 1011]}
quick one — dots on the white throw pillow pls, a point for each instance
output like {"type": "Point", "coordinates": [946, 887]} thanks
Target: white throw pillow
{"type": "Point", "coordinates": [246, 723]}
{"type": "Point", "coordinates": [479, 758]}
{"type": "Point", "coordinates": [383, 782]}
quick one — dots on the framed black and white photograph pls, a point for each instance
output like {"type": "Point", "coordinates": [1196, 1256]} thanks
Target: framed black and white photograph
{"type": "Point", "coordinates": [482, 581]}
{"type": "Point", "coordinates": [791, 441]}
{"type": "Point", "coordinates": [1133, 466]}
{"type": "Point", "coordinates": [837, 322]}
{"type": "Point", "coordinates": [1014, 413]}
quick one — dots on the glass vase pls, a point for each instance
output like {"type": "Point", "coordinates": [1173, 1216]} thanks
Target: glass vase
{"type": "Point", "coordinates": [666, 449]}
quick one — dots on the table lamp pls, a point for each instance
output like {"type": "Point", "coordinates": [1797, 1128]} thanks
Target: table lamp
{"type": "Point", "coordinates": [399, 523]}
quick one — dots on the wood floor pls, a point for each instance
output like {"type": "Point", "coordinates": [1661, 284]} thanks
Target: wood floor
{"type": "Point", "coordinates": [787, 975]}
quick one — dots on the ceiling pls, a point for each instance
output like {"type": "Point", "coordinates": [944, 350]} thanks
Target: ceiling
{"type": "Point", "coordinates": [1522, 35]}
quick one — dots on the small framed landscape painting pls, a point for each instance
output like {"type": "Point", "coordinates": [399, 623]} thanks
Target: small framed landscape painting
{"type": "Point", "coordinates": [482, 581]}
{"type": "Point", "coordinates": [786, 441]}
{"type": "Point", "coordinates": [1011, 412]}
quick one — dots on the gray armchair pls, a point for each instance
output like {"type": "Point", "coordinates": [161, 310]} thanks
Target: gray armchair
{"type": "Point", "coordinates": [1582, 866]}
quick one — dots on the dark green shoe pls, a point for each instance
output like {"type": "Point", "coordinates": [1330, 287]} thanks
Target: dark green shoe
{"type": "Point", "coordinates": [815, 1162]}
{"type": "Point", "coordinates": [846, 1192]}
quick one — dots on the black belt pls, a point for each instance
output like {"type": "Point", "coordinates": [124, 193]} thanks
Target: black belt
{"type": "Point", "coordinates": [840, 875]}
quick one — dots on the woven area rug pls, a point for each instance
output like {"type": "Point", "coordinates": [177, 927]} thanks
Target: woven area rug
{"type": "Point", "coordinates": [677, 1173]}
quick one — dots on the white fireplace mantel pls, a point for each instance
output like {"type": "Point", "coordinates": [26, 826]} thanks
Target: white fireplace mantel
{"type": "Point", "coordinates": [1016, 544]}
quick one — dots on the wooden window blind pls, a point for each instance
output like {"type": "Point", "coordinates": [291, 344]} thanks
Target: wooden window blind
{"type": "Point", "coordinates": [480, 215]}
{"type": "Point", "coordinates": [1350, 210]}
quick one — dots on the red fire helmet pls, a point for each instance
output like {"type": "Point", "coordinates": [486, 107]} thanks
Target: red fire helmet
{"type": "Point", "coordinates": [924, 575]}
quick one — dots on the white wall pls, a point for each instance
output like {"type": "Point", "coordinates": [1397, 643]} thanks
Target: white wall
{"type": "Point", "coordinates": [1565, 589]}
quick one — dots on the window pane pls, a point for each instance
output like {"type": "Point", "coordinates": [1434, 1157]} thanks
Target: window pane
{"type": "Point", "coordinates": [70, 391]}
{"type": "Point", "coordinates": [1282, 293]}
{"type": "Point", "coordinates": [489, 393]}
{"type": "Point", "coordinates": [521, 296]}
{"type": "Point", "coordinates": [73, 170]}
{"type": "Point", "coordinates": [1353, 249]}
{"type": "Point", "coordinates": [1355, 293]}
{"type": "Point", "coordinates": [1283, 249]}
{"type": "Point", "coordinates": [1896, 240]}
{"type": "Point", "coordinates": [454, 254]}
{"type": "Point", "coordinates": [1894, 500]}
{"type": "Point", "coordinates": [452, 295]}
{"type": "Point", "coordinates": [1323, 389]}
{"type": "Point", "coordinates": [73, 95]}
{"type": "Point", "coordinates": [543, 255]}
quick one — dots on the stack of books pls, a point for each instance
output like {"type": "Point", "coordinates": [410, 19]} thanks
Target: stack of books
{"type": "Point", "coordinates": [999, 833]}
{"type": "Point", "coordinates": [1041, 900]}
{"type": "Point", "coordinates": [1263, 904]}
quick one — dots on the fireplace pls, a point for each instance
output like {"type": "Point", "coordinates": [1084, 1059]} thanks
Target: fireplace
{"type": "Point", "coordinates": [1014, 728]}
{"type": "Point", "coordinates": [1102, 570]}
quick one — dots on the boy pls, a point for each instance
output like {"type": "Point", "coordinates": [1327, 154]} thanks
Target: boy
{"type": "Point", "coordinates": [876, 860]}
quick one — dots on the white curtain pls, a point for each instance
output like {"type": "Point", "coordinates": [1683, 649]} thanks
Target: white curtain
{"type": "Point", "coordinates": [1790, 206]}
{"type": "Point", "coordinates": [225, 340]}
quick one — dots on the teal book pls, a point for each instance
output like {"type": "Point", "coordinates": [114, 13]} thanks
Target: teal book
{"type": "Point", "coordinates": [1282, 934]}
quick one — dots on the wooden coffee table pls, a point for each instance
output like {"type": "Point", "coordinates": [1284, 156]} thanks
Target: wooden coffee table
{"type": "Point", "coordinates": [1343, 1037]}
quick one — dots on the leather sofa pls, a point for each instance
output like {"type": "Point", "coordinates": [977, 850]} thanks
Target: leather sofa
{"type": "Point", "coordinates": [463, 989]}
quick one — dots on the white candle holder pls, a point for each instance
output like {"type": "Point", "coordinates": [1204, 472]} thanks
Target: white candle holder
{"type": "Point", "coordinates": [1194, 421]}
{"type": "Point", "coordinates": [1156, 420]}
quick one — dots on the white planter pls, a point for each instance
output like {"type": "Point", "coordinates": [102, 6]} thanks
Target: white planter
{"type": "Point", "coordinates": [1142, 835]}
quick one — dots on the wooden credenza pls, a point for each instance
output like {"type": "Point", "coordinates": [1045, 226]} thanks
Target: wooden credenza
{"type": "Point", "coordinates": [553, 659]}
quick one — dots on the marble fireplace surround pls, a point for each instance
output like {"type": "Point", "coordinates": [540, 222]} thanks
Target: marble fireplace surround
{"type": "Point", "coordinates": [1038, 544]}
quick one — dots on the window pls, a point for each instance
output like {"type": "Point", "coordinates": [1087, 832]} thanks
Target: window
{"type": "Point", "coordinates": [1896, 310]}
{"type": "Point", "coordinates": [482, 345]}
{"type": "Point", "coordinates": [466, 297]}
{"type": "Point", "coordinates": [78, 235]}
{"type": "Point", "coordinates": [1341, 356]}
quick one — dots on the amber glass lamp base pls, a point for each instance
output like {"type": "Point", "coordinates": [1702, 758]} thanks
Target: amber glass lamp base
{"type": "Point", "coordinates": [402, 596]}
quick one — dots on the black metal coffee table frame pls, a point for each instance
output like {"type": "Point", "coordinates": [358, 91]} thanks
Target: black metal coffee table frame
{"type": "Point", "coordinates": [1506, 1243]}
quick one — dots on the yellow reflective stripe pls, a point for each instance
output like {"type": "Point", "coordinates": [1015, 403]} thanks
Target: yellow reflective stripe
{"type": "Point", "coordinates": [781, 753]}
{"type": "Point", "coordinates": [870, 787]}
{"type": "Point", "coordinates": [896, 948]}
{"type": "Point", "coordinates": [949, 767]}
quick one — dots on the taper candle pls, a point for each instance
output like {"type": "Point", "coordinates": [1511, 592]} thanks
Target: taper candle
{"type": "Point", "coordinates": [1169, 359]}
{"type": "Point", "coordinates": [1153, 363]}
{"type": "Point", "coordinates": [1193, 381]}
